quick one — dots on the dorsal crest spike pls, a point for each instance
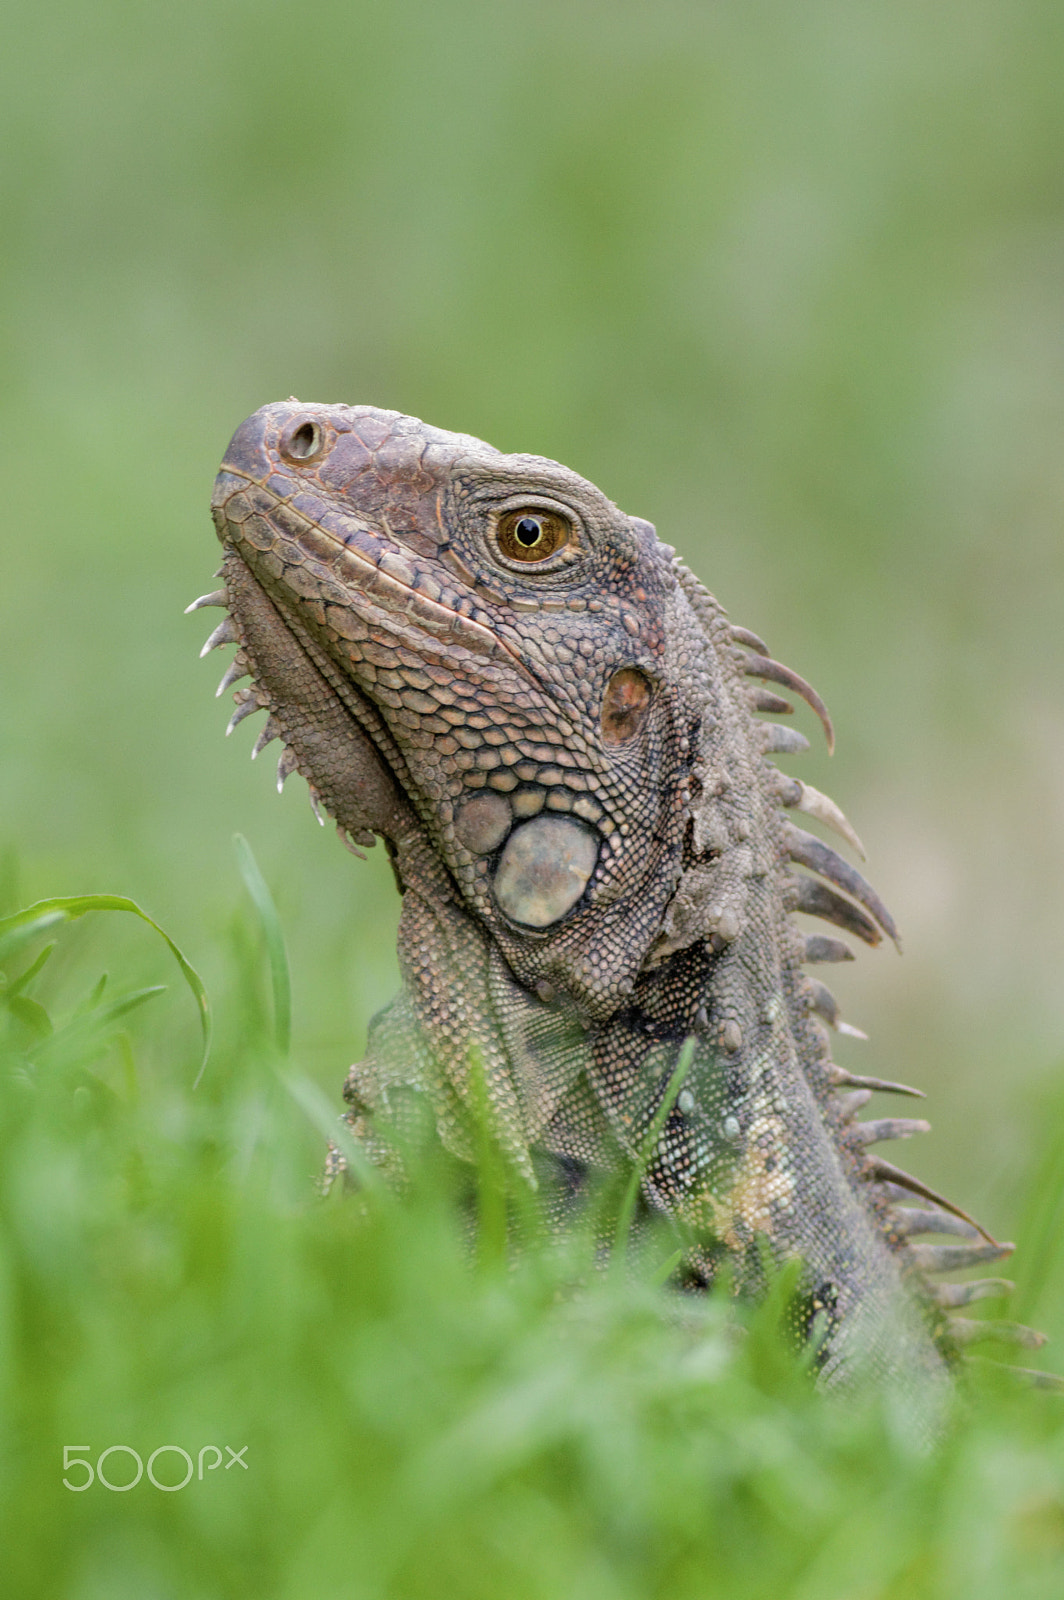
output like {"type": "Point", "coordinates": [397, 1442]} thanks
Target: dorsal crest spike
{"type": "Point", "coordinates": [224, 633]}
{"type": "Point", "coordinates": [880, 1171]}
{"type": "Point", "coordinates": [848, 1080]}
{"type": "Point", "coordinates": [751, 640]}
{"type": "Point", "coordinates": [807, 851]}
{"type": "Point", "coordinates": [758, 666]}
{"type": "Point", "coordinates": [217, 597]}
{"type": "Point", "coordinates": [816, 899]}
{"type": "Point", "coordinates": [781, 741]}
{"type": "Point", "coordinates": [906, 1221]}
{"type": "Point", "coordinates": [798, 796]}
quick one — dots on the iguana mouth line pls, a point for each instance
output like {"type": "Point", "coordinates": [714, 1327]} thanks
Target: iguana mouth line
{"type": "Point", "coordinates": [397, 588]}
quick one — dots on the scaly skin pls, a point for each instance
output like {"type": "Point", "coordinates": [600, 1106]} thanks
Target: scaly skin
{"type": "Point", "coordinates": [553, 726]}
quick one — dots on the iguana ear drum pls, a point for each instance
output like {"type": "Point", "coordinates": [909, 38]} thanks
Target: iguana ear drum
{"type": "Point", "coordinates": [625, 705]}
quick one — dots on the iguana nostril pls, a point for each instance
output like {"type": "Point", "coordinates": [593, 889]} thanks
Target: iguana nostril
{"type": "Point", "coordinates": [304, 443]}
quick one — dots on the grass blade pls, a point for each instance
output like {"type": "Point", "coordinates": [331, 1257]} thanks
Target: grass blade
{"type": "Point", "coordinates": [24, 925]}
{"type": "Point", "coordinates": [639, 1166]}
{"type": "Point", "coordinates": [323, 1115]}
{"type": "Point", "coordinates": [276, 954]}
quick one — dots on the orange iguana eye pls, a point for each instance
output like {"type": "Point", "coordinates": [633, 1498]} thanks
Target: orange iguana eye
{"type": "Point", "coordinates": [532, 534]}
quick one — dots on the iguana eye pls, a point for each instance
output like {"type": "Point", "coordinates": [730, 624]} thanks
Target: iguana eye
{"type": "Point", "coordinates": [530, 533]}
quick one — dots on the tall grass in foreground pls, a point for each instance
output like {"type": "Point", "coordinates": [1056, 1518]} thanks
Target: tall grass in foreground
{"type": "Point", "coordinates": [420, 1418]}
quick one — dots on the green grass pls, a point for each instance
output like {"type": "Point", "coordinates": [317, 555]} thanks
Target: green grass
{"type": "Point", "coordinates": [421, 1418]}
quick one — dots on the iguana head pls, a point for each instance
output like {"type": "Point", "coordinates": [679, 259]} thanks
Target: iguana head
{"type": "Point", "coordinates": [507, 640]}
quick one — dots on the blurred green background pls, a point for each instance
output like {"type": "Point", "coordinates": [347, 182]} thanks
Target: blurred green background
{"type": "Point", "coordinates": [786, 279]}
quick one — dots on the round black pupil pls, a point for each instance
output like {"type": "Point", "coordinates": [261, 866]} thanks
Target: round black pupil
{"type": "Point", "coordinates": [529, 531]}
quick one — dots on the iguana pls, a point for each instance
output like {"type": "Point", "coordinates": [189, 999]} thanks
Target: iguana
{"type": "Point", "coordinates": [557, 732]}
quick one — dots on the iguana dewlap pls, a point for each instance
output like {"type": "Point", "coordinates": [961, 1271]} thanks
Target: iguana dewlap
{"type": "Point", "coordinates": [556, 730]}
